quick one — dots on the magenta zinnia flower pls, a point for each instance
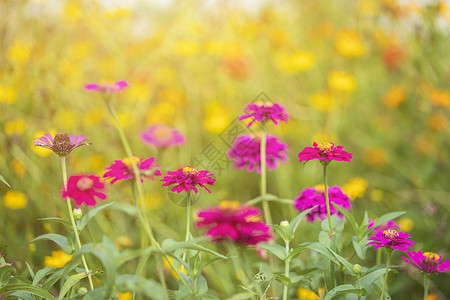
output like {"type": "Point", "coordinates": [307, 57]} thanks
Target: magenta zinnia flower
{"type": "Point", "coordinates": [324, 152]}
{"type": "Point", "coordinates": [239, 223]}
{"type": "Point", "coordinates": [107, 87]}
{"type": "Point", "coordinates": [62, 144]}
{"type": "Point", "coordinates": [162, 136]}
{"type": "Point", "coordinates": [263, 111]}
{"type": "Point", "coordinates": [84, 189]}
{"type": "Point", "coordinates": [427, 262]}
{"type": "Point", "coordinates": [246, 152]}
{"type": "Point", "coordinates": [311, 197]}
{"type": "Point", "coordinates": [122, 169]}
{"type": "Point", "coordinates": [187, 178]}
{"type": "Point", "coordinates": [391, 238]}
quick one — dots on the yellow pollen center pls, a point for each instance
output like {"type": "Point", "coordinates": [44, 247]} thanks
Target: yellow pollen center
{"type": "Point", "coordinates": [85, 183]}
{"type": "Point", "coordinates": [324, 146]}
{"type": "Point", "coordinates": [320, 187]}
{"type": "Point", "coordinates": [431, 255]}
{"type": "Point", "coordinates": [390, 234]}
{"type": "Point", "coordinates": [262, 102]}
{"type": "Point", "coordinates": [227, 204]}
{"type": "Point", "coordinates": [188, 171]}
{"type": "Point", "coordinates": [162, 132]}
{"type": "Point", "coordinates": [127, 161]}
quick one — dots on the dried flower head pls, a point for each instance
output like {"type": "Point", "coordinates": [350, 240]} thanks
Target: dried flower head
{"type": "Point", "coordinates": [62, 144]}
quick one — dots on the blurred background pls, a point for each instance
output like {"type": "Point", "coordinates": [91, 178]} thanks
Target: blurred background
{"type": "Point", "coordinates": [370, 75]}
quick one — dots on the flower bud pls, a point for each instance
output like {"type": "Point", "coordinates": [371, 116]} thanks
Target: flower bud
{"type": "Point", "coordinates": [284, 224]}
{"type": "Point", "coordinates": [82, 291]}
{"type": "Point", "coordinates": [357, 268]}
{"type": "Point", "coordinates": [77, 213]}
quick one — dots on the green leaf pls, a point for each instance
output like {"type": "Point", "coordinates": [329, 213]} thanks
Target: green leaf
{"type": "Point", "coordinates": [282, 278]}
{"type": "Point", "coordinates": [70, 282]}
{"type": "Point", "coordinates": [58, 220]}
{"type": "Point", "coordinates": [210, 262]}
{"type": "Point", "coordinates": [170, 245]}
{"type": "Point", "coordinates": [207, 297]}
{"type": "Point", "coordinates": [296, 221]}
{"type": "Point", "coordinates": [284, 234]}
{"type": "Point", "coordinates": [30, 270]}
{"type": "Point", "coordinates": [201, 286]}
{"type": "Point", "coordinates": [87, 217]}
{"type": "Point", "coordinates": [22, 287]}
{"type": "Point", "coordinates": [296, 251]}
{"type": "Point", "coordinates": [367, 280]}
{"type": "Point", "coordinates": [58, 239]}
{"type": "Point", "coordinates": [5, 273]}
{"type": "Point", "coordinates": [344, 262]}
{"type": "Point", "coordinates": [387, 217]}
{"type": "Point", "coordinates": [343, 289]}
{"type": "Point", "coordinates": [96, 294]}
{"type": "Point", "coordinates": [130, 254]}
{"type": "Point", "coordinates": [150, 288]}
{"type": "Point", "coordinates": [325, 238]}
{"type": "Point", "coordinates": [4, 181]}
{"type": "Point", "coordinates": [42, 273]}
{"type": "Point", "coordinates": [360, 249]}
{"type": "Point", "coordinates": [348, 216]}
{"type": "Point", "coordinates": [318, 247]}
{"type": "Point", "coordinates": [277, 250]}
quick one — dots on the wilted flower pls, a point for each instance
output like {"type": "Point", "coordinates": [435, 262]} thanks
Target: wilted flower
{"type": "Point", "coordinates": [162, 136]}
{"type": "Point", "coordinates": [263, 111]}
{"type": "Point", "coordinates": [392, 239]}
{"type": "Point", "coordinates": [107, 87]}
{"type": "Point", "coordinates": [324, 152]}
{"type": "Point", "coordinates": [311, 197]}
{"type": "Point", "coordinates": [122, 169]}
{"type": "Point", "coordinates": [427, 262]}
{"type": "Point", "coordinates": [241, 224]}
{"type": "Point", "coordinates": [246, 152]}
{"type": "Point", "coordinates": [84, 189]}
{"type": "Point", "coordinates": [187, 178]}
{"type": "Point", "coordinates": [61, 144]}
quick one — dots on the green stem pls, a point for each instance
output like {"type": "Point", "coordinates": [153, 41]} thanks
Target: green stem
{"type": "Point", "coordinates": [74, 225]}
{"type": "Point", "coordinates": [188, 224]}
{"type": "Point", "coordinates": [325, 186]}
{"type": "Point", "coordinates": [266, 208]}
{"type": "Point", "coordinates": [388, 261]}
{"type": "Point", "coordinates": [286, 272]}
{"type": "Point", "coordinates": [426, 282]}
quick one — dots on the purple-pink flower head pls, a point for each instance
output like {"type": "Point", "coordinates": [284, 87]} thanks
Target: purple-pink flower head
{"type": "Point", "coordinates": [311, 197]}
{"type": "Point", "coordinates": [162, 136]}
{"type": "Point", "coordinates": [427, 262]}
{"type": "Point", "coordinates": [391, 238]}
{"type": "Point", "coordinates": [123, 170]}
{"type": "Point", "coordinates": [262, 111]}
{"type": "Point", "coordinates": [62, 144]}
{"type": "Point", "coordinates": [324, 152]}
{"type": "Point", "coordinates": [386, 225]}
{"type": "Point", "coordinates": [84, 189]}
{"type": "Point", "coordinates": [187, 178]}
{"type": "Point", "coordinates": [230, 220]}
{"type": "Point", "coordinates": [107, 87]}
{"type": "Point", "coordinates": [246, 152]}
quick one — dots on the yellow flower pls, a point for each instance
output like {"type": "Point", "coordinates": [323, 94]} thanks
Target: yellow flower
{"type": "Point", "coordinates": [395, 96]}
{"type": "Point", "coordinates": [228, 204]}
{"type": "Point", "coordinates": [19, 52]}
{"type": "Point", "coordinates": [119, 13]}
{"type": "Point", "coordinates": [292, 63]}
{"type": "Point", "coordinates": [160, 114]}
{"type": "Point", "coordinates": [405, 224]}
{"type": "Point", "coordinates": [173, 96]}
{"type": "Point", "coordinates": [57, 260]}
{"type": "Point", "coordinates": [437, 122]}
{"type": "Point", "coordinates": [73, 11]}
{"type": "Point", "coordinates": [341, 81]}
{"type": "Point", "coordinates": [348, 43]}
{"type": "Point", "coordinates": [165, 76]}
{"type": "Point", "coordinates": [368, 7]}
{"type": "Point", "coordinates": [7, 94]}
{"type": "Point", "coordinates": [217, 117]}
{"type": "Point", "coordinates": [139, 92]}
{"type": "Point", "coordinates": [166, 265]}
{"type": "Point", "coordinates": [32, 246]}
{"type": "Point", "coordinates": [125, 296]}
{"type": "Point", "coordinates": [18, 167]}
{"type": "Point", "coordinates": [355, 187]}
{"type": "Point", "coordinates": [440, 98]}
{"type": "Point", "coordinates": [322, 101]}
{"type": "Point", "coordinates": [305, 294]}
{"type": "Point", "coordinates": [432, 296]}
{"type": "Point", "coordinates": [41, 151]}
{"type": "Point", "coordinates": [186, 48]}
{"type": "Point", "coordinates": [375, 156]}
{"type": "Point", "coordinates": [376, 195]}
{"type": "Point", "coordinates": [66, 119]}
{"type": "Point", "coordinates": [15, 127]}
{"type": "Point", "coordinates": [15, 200]}
{"type": "Point", "coordinates": [123, 241]}
{"type": "Point", "coordinates": [94, 116]}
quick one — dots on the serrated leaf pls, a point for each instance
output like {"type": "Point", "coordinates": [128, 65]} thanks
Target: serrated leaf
{"type": "Point", "coordinates": [58, 239]}
{"type": "Point", "coordinates": [22, 287]}
{"type": "Point", "coordinates": [277, 250]}
{"type": "Point", "coordinates": [70, 282]}
{"type": "Point", "coordinates": [90, 214]}
{"type": "Point", "coordinates": [343, 289]}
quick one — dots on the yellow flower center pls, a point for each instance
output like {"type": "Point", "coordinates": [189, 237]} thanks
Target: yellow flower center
{"type": "Point", "coordinates": [85, 183]}
{"type": "Point", "coordinates": [227, 204]}
{"type": "Point", "coordinates": [189, 171]}
{"type": "Point", "coordinates": [431, 256]}
{"type": "Point", "coordinates": [320, 187]}
{"type": "Point", "coordinates": [324, 146]}
{"type": "Point", "coordinates": [390, 234]}
{"type": "Point", "coordinates": [263, 102]}
{"type": "Point", "coordinates": [163, 132]}
{"type": "Point", "coordinates": [127, 161]}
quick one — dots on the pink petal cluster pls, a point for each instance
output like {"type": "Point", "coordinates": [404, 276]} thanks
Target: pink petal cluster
{"type": "Point", "coordinates": [187, 178]}
{"type": "Point", "coordinates": [324, 152]}
{"type": "Point", "coordinates": [62, 144]}
{"type": "Point", "coordinates": [386, 225]}
{"type": "Point", "coordinates": [246, 152]}
{"type": "Point", "coordinates": [391, 238]}
{"type": "Point", "coordinates": [263, 111]}
{"type": "Point", "coordinates": [237, 224]}
{"type": "Point", "coordinates": [311, 197]}
{"type": "Point", "coordinates": [162, 136]}
{"type": "Point", "coordinates": [84, 189]}
{"type": "Point", "coordinates": [122, 169]}
{"type": "Point", "coordinates": [107, 87]}
{"type": "Point", "coordinates": [427, 262]}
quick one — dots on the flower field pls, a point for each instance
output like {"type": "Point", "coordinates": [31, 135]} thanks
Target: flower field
{"type": "Point", "coordinates": [224, 150]}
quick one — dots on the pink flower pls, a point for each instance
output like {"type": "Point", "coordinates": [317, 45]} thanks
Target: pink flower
{"type": "Point", "coordinates": [427, 262]}
{"type": "Point", "coordinates": [61, 144]}
{"type": "Point", "coordinates": [122, 169]}
{"type": "Point", "coordinates": [386, 225]}
{"type": "Point", "coordinates": [240, 224]}
{"type": "Point", "coordinates": [84, 189]}
{"type": "Point", "coordinates": [391, 238]}
{"type": "Point", "coordinates": [311, 197]}
{"type": "Point", "coordinates": [245, 152]}
{"type": "Point", "coordinates": [324, 152]}
{"type": "Point", "coordinates": [107, 87]}
{"type": "Point", "coordinates": [263, 111]}
{"type": "Point", "coordinates": [187, 179]}
{"type": "Point", "coordinates": [162, 136]}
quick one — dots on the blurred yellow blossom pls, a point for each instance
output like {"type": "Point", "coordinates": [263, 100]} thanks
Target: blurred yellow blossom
{"type": "Point", "coordinates": [167, 267]}
{"type": "Point", "coordinates": [395, 96]}
{"type": "Point", "coordinates": [322, 101]}
{"type": "Point", "coordinates": [15, 200]}
{"type": "Point", "coordinates": [19, 52]}
{"type": "Point", "coordinates": [31, 246]}
{"type": "Point", "coordinates": [187, 48]}
{"type": "Point", "coordinates": [376, 195]}
{"type": "Point", "coordinates": [440, 98]}
{"type": "Point", "coordinates": [368, 7]}
{"type": "Point", "coordinates": [349, 43]}
{"type": "Point", "coordinates": [324, 136]}
{"type": "Point", "coordinates": [229, 204]}
{"type": "Point", "coordinates": [7, 94]}
{"type": "Point", "coordinates": [160, 114]}
{"type": "Point", "coordinates": [15, 127]}
{"type": "Point", "coordinates": [118, 13]}
{"type": "Point", "coordinates": [437, 122]}
{"type": "Point", "coordinates": [165, 75]}
{"type": "Point", "coordinates": [432, 296]}
{"type": "Point", "coordinates": [73, 10]}
{"type": "Point", "coordinates": [405, 224]}
{"type": "Point", "coordinates": [305, 294]}
{"type": "Point", "coordinates": [66, 119]}
{"type": "Point", "coordinates": [18, 167]}
{"type": "Point", "coordinates": [80, 50]}
{"type": "Point", "coordinates": [355, 187]}
{"type": "Point", "coordinates": [341, 81]}
{"type": "Point", "coordinates": [123, 241]}
{"type": "Point", "coordinates": [292, 63]}
{"type": "Point", "coordinates": [217, 117]}
{"type": "Point", "coordinates": [174, 96]}
{"type": "Point", "coordinates": [94, 116]}
{"type": "Point", "coordinates": [97, 163]}
{"type": "Point", "coordinates": [154, 201]}
{"type": "Point", "coordinates": [41, 151]}
{"type": "Point", "coordinates": [375, 156]}
{"type": "Point", "coordinates": [124, 296]}
{"type": "Point", "coordinates": [139, 92]}
{"type": "Point", "coordinates": [58, 259]}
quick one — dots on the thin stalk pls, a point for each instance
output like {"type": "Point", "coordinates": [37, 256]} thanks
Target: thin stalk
{"type": "Point", "coordinates": [188, 224]}
{"type": "Point", "coordinates": [325, 186]}
{"type": "Point", "coordinates": [266, 208]}
{"type": "Point", "coordinates": [74, 225]}
{"type": "Point", "coordinates": [426, 282]}
{"type": "Point", "coordinates": [388, 261]}
{"type": "Point", "coordinates": [286, 272]}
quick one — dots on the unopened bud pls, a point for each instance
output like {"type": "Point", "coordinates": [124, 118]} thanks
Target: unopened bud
{"type": "Point", "coordinates": [357, 268]}
{"type": "Point", "coordinates": [77, 213]}
{"type": "Point", "coordinates": [284, 224]}
{"type": "Point", "coordinates": [82, 291]}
